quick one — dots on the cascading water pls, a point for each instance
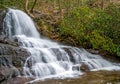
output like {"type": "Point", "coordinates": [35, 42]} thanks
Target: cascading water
{"type": "Point", "coordinates": [18, 23]}
{"type": "Point", "coordinates": [47, 58]}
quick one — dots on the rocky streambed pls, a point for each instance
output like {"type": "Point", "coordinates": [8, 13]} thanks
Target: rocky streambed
{"type": "Point", "coordinates": [95, 77]}
{"type": "Point", "coordinates": [12, 59]}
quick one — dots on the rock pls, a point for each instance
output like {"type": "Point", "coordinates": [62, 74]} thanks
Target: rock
{"type": "Point", "coordinates": [2, 38]}
{"type": "Point", "coordinates": [81, 67]}
{"type": "Point", "coordinates": [70, 54]}
{"type": "Point", "coordinates": [12, 59]}
{"type": "Point", "coordinates": [18, 80]}
{"type": "Point", "coordinates": [5, 40]}
{"type": "Point", "coordinates": [95, 77]}
{"type": "Point", "coordinates": [84, 67]}
{"type": "Point", "coordinates": [8, 72]}
{"type": "Point", "coordinates": [93, 51]}
{"type": "Point", "coordinates": [77, 67]}
{"type": "Point", "coordinates": [2, 14]}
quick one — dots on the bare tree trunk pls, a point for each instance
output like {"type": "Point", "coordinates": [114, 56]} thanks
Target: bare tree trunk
{"type": "Point", "coordinates": [26, 9]}
{"type": "Point", "coordinates": [33, 6]}
{"type": "Point", "coordinates": [110, 1]}
{"type": "Point", "coordinates": [54, 3]}
{"type": "Point", "coordinates": [60, 9]}
{"type": "Point", "coordinates": [102, 4]}
{"type": "Point", "coordinates": [78, 3]}
{"type": "Point", "coordinates": [82, 3]}
{"type": "Point", "coordinates": [26, 5]}
{"type": "Point", "coordinates": [68, 6]}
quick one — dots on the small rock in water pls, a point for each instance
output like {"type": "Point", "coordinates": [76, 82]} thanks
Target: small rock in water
{"type": "Point", "coordinates": [84, 67]}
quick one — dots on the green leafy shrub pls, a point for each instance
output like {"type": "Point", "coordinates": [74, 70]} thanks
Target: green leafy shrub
{"type": "Point", "coordinates": [73, 24]}
{"type": "Point", "coordinates": [92, 26]}
{"type": "Point", "coordinates": [117, 50]}
{"type": "Point", "coordinates": [100, 42]}
{"type": "Point", "coordinates": [12, 4]}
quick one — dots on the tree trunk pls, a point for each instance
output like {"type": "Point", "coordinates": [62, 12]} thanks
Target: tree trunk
{"type": "Point", "coordinates": [33, 6]}
{"type": "Point", "coordinates": [26, 6]}
{"type": "Point", "coordinates": [26, 9]}
{"type": "Point", "coordinates": [60, 9]}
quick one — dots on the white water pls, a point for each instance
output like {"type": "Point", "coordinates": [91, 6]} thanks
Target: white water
{"type": "Point", "coordinates": [49, 59]}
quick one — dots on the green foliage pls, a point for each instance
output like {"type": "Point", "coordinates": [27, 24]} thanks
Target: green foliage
{"type": "Point", "coordinates": [107, 21]}
{"type": "Point", "coordinates": [74, 26]}
{"type": "Point", "coordinates": [100, 42]}
{"type": "Point", "coordinates": [117, 50]}
{"type": "Point", "coordinates": [92, 26]}
{"type": "Point", "coordinates": [12, 4]}
{"type": "Point", "coordinates": [113, 31]}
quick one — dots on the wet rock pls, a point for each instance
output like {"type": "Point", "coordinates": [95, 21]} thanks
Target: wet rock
{"type": "Point", "coordinates": [95, 77]}
{"type": "Point", "coordinates": [5, 40]}
{"type": "Point", "coordinates": [8, 41]}
{"type": "Point", "coordinates": [12, 59]}
{"type": "Point", "coordinates": [2, 14]}
{"type": "Point", "coordinates": [8, 72]}
{"type": "Point", "coordinates": [5, 60]}
{"type": "Point", "coordinates": [81, 67]}
{"type": "Point", "coordinates": [72, 59]}
{"type": "Point", "coordinates": [18, 80]}
{"type": "Point", "coordinates": [93, 51]}
{"type": "Point", "coordinates": [84, 67]}
{"type": "Point", "coordinates": [77, 67]}
{"type": "Point", "coordinates": [2, 38]}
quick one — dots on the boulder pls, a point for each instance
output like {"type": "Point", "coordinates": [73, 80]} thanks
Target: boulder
{"type": "Point", "coordinates": [2, 14]}
{"type": "Point", "coordinates": [84, 67]}
{"type": "Point", "coordinates": [12, 59]}
{"type": "Point", "coordinates": [8, 72]}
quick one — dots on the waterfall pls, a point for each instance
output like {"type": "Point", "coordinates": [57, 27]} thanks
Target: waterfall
{"type": "Point", "coordinates": [48, 58]}
{"type": "Point", "coordinates": [18, 23]}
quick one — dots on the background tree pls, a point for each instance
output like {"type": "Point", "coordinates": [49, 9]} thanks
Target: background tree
{"type": "Point", "coordinates": [33, 6]}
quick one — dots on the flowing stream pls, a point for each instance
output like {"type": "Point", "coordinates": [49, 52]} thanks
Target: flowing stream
{"type": "Point", "coordinates": [47, 58]}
